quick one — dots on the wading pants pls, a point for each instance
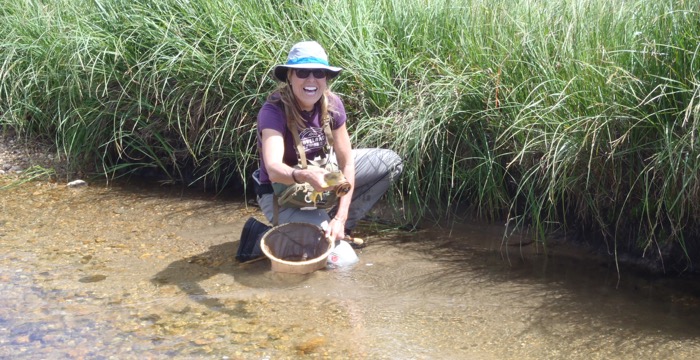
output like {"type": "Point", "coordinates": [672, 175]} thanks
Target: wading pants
{"type": "Point", "coordinates": [375, 170]}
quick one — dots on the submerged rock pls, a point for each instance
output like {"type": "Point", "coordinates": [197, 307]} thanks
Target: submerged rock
{"type": "Point", "coordinates": [92, 278]}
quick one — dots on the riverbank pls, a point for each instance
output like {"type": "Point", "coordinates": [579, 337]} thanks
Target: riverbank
{"type": "Point", "coordinates": [484, 105]}
{"type": "Point", "coordinates": [18, 156]}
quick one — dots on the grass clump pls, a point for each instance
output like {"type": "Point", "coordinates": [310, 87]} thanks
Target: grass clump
{"type": "Point", "coordinates": [570, 115]}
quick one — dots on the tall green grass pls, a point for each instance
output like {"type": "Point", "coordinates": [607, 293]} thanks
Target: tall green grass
{"type": "Point", "coordinates": [564, 115]}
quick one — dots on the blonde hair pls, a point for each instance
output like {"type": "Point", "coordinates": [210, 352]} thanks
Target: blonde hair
{"type": "Point", "coordinates": [291, 109]}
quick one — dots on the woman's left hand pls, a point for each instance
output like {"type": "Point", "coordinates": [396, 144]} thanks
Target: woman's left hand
{"type": "Point", "coordinates": [335, 229]}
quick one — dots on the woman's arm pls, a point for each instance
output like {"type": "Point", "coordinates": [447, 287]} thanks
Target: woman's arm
{"type": "Point", "coordinates": [278, 171]}
{"type": "Point", "coordinates": [346, 163]}
{"type": "Point", "coordinates": [273, 152]}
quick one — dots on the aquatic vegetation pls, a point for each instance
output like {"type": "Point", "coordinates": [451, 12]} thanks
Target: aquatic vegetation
{"type": "Point", "coordinates": [568, 115]}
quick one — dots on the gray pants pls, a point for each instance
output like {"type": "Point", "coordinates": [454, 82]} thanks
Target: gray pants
{"type": "Point", "coordinates": [375, 170]}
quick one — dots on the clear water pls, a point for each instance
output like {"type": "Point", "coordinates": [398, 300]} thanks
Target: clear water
{"type": "Point", "coordinates": [137, 271]}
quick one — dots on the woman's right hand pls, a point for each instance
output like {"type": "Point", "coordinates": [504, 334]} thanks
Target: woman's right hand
{"type": "Point", "coordinates": [315, 177]}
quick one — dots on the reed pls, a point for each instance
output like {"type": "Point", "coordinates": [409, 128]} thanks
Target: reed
{"type": "Point", "coordinates": [574, 114]}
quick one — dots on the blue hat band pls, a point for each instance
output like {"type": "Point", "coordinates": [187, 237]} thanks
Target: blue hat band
{"type": "Point", "coordinates": [307, 60]}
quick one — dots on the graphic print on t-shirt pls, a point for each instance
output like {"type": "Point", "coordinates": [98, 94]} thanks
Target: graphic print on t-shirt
{"type": "Point", "coordinates": [313, 138]}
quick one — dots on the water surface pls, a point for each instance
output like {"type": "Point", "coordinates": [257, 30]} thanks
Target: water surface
{"type": "Point", "coordinates": [140, 271]}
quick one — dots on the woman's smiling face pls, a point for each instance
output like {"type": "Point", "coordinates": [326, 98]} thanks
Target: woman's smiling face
{"type": "Point", "coordinates": [307, 88]}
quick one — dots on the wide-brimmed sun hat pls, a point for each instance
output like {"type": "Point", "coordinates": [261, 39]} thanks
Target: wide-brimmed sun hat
{"type": "Point", "coordinates": [306, 55]}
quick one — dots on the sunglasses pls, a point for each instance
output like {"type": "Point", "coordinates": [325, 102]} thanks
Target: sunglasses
{"type": "Point", "coordinates": [304, 73]}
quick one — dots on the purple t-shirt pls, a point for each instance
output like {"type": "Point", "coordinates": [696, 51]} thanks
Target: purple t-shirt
{"type": "Point", "coordinates": [271, 116]}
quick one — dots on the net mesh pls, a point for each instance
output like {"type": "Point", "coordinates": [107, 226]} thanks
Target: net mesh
{"type": "Point", "coordinates": [295, 241]}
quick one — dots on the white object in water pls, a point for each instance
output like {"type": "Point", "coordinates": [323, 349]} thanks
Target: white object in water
{"type": "Point", "coordinates": [76, 184]}
{"type": "Point", "coordinates": [342, 255]}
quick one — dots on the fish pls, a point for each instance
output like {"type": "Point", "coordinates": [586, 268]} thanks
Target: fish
{"type": "Point", "coordinates": [335, 179]}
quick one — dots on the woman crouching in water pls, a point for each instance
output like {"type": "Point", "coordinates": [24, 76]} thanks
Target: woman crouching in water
{"type": "Point", "coordinates": [303, 107]}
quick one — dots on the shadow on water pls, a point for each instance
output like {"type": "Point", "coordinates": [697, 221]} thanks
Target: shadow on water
{"type": "Point", "coordinates": [584, 290]}
{"type": "Point", "coordinates": [188, 274]}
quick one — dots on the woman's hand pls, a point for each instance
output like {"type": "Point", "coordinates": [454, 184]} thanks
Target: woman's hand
{"type": "Point", "coordinates": [335, 229]}
{"type": "Point", "coordinates": [315, 177]}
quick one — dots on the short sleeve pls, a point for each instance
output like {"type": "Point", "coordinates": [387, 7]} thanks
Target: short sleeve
{"type": "Point", "coordinates": [272, 117]}
{"type": "Point", "coordinates": [338, 112]}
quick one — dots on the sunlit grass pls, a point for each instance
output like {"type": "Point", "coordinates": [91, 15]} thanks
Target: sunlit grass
{"type": "Point", "coordinates": [578, 114]}
{"type": "Point", "coordinates": [32, 173]}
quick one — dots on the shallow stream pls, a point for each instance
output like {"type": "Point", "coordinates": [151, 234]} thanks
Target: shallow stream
{"type": "Point", "coordinates": [141, 271]}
